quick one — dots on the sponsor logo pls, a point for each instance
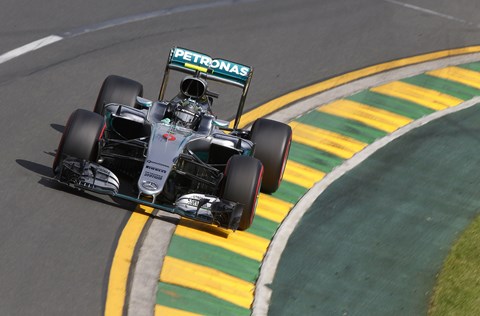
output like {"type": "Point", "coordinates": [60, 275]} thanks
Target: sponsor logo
{"type": "Point", "coordinates": [229, 67]}
{"type": "Point", "coordinates": [193, 202]}
{"type": "Point", "coordinates": [157, 163]}
{"type": "Point", "coordinates": [169, 137]}
{"type": "Point", "coordinates": [149, 185]}
{"type": "Point", "coordinates": [208, 62]}
{"type": "Point", "coordinates": [152, 175]}
{"type": "Point", "coordinates": [190, 56]}
{"type": "Point", "coordinates": [156, 169]}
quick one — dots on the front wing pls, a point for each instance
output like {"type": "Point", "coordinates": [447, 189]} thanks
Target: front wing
{"type": "Point", "coordinates": [84, 175]}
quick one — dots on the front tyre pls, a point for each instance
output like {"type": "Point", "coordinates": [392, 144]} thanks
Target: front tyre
{"type": "Point", "coordinates": [272, 141]}
{"type": "Point", "coordinates": [243, 178]}
{"type": "Point", "coordinates": [116, 89]}
{"type": "Point", "coordinates": [80, 138]}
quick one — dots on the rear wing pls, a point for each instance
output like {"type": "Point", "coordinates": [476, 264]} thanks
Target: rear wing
{"type": "Point", "coordinates": [204, 66]}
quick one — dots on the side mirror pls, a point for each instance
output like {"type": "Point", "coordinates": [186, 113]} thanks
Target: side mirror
{"type": "Point", "coordinates": [143, 103]}
{"type": "Point", "coordinates": [221, 123]}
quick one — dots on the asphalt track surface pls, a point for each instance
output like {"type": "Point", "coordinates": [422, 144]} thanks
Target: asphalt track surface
{"type": "Point", "coordinates": [57, 245]}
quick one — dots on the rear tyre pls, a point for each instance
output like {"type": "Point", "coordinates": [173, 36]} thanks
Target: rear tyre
{"type": "Point", "coordinates": [80, 138]}
{"type": "Point", "coordinates": [272, 144]}
{"type": "Point", "coordinates": [116, 89]}
{"type": "Point", "coordinates": [243, 178]}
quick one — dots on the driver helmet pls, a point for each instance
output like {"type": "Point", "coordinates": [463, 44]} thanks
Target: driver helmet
{"type": "Point", "coordinates": [187, 112]}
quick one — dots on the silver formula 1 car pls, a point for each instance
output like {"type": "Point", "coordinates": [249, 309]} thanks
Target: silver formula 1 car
{"type": "Point", "coordinates": [181, 157]}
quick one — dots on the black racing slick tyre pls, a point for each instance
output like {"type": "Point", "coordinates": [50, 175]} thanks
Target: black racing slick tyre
{"type": "Point", "coordinates": [272, 141]}
{"type": "Point", "coordinates": [80, 138]}
{"type": "Point", "coordinates": [116, 89]}
{"type": "Point", "coordinates": [243, 178]}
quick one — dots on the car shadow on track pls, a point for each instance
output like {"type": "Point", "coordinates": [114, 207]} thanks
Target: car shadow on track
{"type": "Point", "coordinates": [48, 181]}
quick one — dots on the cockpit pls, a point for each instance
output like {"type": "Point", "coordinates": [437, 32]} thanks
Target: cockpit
{"type": "Point", "coordinates": [191, 103]}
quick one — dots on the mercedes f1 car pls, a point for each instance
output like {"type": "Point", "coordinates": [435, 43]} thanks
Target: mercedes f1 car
{"type": "Point", "coordinates": [179, 155]}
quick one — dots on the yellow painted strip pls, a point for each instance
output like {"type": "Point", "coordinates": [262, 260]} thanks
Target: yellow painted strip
{"type": "Point", "coordinates": [339, 145]}
{"type": "Point", "coordinates": [371, 116]}
{"type": "Point", "coordinates": [117, 282]}
{"type": "Point", "coordinates": [302, 175]}
{"type": "Point", "coordinates": [208, 280]}
{"type": "Point", "coordinates": [429, 98]}
{"type": "Point", "coordinates": [272, 208]}
{"type": "Point", "coordinates": [161, 310]}
{"type": "Point", "coordinates": [241, 242]}
{"type": "Point", "coordinates": [296, 95]}
{"type": "Point", "coordinates": [195, 67]}
{"type": "Point", "coordinates": [464, 76]}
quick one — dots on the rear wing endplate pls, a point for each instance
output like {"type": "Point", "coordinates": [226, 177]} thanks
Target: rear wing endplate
{"type": "Point", "coordinates": [204, 66]}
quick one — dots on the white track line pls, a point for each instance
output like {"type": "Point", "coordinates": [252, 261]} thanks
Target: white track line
{"type": "Point", "coordinates": [114, 23]}
{"type": "Point", "coordinates": [152, 15]}
{"type": "Point", "coordinates": [29, 47]}
{"type": "Point", "coordinates": [424, 10]}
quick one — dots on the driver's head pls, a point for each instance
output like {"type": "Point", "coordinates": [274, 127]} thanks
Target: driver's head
{"type": "Point", "coordinates": [187, 112]}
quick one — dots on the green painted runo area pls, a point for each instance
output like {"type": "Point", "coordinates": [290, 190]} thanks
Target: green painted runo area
{"type": "Point", "coordinates": [377, 236]}
{"type": "Point", "coordinates": [313, 157]}
{"type": "Point", "coordinates": [263, 227]}
{"type": "Point", "coordinates": [471, 66]}
{"type": "Point", "coordinates": [289, 192]}
{"type": "Point", "coordinates": [391, 104]}
{"type": "Point", "coordinates": [196, 302]}
{"type": "Point", "coordinates": [214, 257]}
{"type": "Point", "coordinates": [443, 85]}
{"type": "Point", "coordinates": [339, 125]}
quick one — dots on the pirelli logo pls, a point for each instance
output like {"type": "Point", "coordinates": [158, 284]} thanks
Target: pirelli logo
{"type": "Point", "coordinates": [156, 173]}
{"type": "Point", "coordinates": [156, 169]}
